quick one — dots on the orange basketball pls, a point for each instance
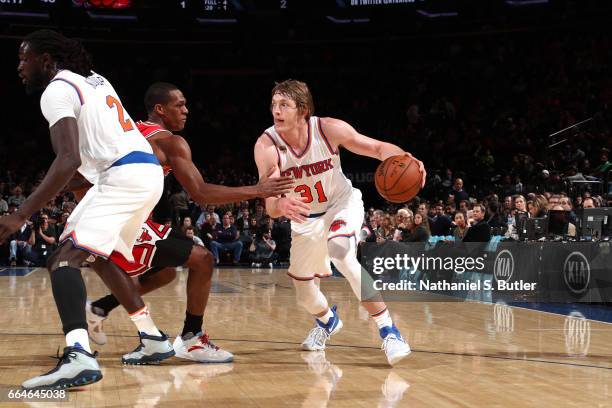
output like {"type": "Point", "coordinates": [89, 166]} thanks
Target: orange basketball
{"type": "Point", "coordinates": [398, 179]}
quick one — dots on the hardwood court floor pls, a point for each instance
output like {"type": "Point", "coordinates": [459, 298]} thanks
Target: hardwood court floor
{"type": "Point", "coordinates": [465, 354]}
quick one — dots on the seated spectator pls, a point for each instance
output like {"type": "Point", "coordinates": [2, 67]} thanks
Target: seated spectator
{"type": "Point", "coordinates": [420, 231]}
{"type": "Point", "coordinates": [588, 203]}
{"type": "Point", "coordinates": [262, 248]}
{"type": "Point", "coordinates": [281, 233]}
{"type": "Point", "coordinates": [209, 233]}
{"type": "Point", "coordinates": [461, 226]}
{"type": "Point", "coordinates": [244, 228]}
{"type": "Point", "coordinates": [226, 239]}
{"type": "Point", "coordinates": [190, 233]}
{"type": "Point", "coordinates": [458, 193]}
{"type": "Point", "coordinates": [186, 224]}
{"type": "Point", "coordinates": [480, 230]}
{"type": "Point", "coordinates": [20, 244]}
{"type": "Point", "coordinates": [493, 216]}
{"type": "Point", "coordinates": [440, 223]}
{"type": "Point", "coordinates": [42, 240]}
{"type": "Point", "coordinates": [17, 198]}
{"type": "Point", "coordinates": [386, 230]}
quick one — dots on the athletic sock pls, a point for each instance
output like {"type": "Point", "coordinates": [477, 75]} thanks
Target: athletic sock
{"type": "Point", "coordinates": [382, 318]}
{"type": "Point", "coordinates": [78, 338]}
{"type": "Point", "coordinates": [105, 304]}
{"type": "Point", "coordinates": [144, 323]}
{"type": "Point", "coordinates": [193, 324]}
{"type": "Point", "coordinates": [325, 318]}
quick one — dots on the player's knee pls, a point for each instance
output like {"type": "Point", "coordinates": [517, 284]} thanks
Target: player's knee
{"type": "Point", "coordinates": [339, 248]}
{"type": "Point", "coordinates": [63, 256]}
{"type": "Point", "coordinates": [200, 257]}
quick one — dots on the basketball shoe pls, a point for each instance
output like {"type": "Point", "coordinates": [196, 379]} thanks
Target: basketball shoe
{"type": "Point", "coordinates": [316, 339]}
{"type": "Point", "coordinates": [199, 348]}
{"type": "Point", "coordinates": [76, 367]}
{"type": "Point", "coordinates": [94, 325]}
{"type": "Point", "coordinates": [151, 350]}
{"type": "Point", "coordinates": [394, 346]}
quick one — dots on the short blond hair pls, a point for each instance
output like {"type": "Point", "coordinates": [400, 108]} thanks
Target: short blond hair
{"type": "Point", "coordinates": [297, 91]}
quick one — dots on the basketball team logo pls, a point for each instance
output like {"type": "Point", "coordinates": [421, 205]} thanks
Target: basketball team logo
{"type": "Point", "coordinates": [503, 318]}
{"type": "Point", "coordinates": [576, 272]}
{"type": "Point", "coordinates": [503, 267]}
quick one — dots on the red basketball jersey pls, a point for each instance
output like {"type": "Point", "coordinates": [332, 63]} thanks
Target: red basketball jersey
{"type": "Point", "coordinates": [149, 129]}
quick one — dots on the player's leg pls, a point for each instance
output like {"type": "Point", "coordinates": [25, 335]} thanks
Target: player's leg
{"type": "Point", "coordinates": [309, 261]}
{"type": "Point", "coordinates": [342, 249]}
{"type": "Point", "coordinates": [175, 250]}
{"type": "Point", "coordinates": [77, 366]}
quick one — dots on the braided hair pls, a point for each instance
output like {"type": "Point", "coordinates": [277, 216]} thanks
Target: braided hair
{"type": "Point", "coordinates": [68, 53]}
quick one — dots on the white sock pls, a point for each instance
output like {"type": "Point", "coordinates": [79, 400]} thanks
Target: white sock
{"type": "Point", "coordinates": [78, 336]}
{"type": "Point", "coordinates": [383, 318]}
{"type": "Point", "coordinates": [325, 318]}
{"type": "Point", "coordinates": [144, 323]}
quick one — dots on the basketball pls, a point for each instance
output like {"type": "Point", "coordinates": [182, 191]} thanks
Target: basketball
{"type": "Point", "coordinates": [398, 178]}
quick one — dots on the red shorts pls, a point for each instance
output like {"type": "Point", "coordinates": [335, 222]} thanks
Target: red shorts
{"type": "Point", "coordinates": [144, 249]}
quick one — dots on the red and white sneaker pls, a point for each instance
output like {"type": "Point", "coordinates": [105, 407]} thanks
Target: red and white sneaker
{"type": "Point", "coordinates": [199, 348]}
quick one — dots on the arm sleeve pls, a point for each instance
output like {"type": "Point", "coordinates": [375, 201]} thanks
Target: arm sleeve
{"type": "Point", "coordinates": [60, 100]}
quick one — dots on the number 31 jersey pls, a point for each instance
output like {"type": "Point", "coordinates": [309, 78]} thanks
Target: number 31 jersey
{"type": "Point", "coordinates": [106, 130]}
{"type": "Point", "coordinates": [317, 170]}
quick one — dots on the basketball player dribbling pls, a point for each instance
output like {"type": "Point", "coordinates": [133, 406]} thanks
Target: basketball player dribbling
{"type": "Point", "coordinates": [325, 210]}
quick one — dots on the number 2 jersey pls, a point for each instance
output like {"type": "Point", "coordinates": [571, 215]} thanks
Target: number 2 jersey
{"type": "Point", "coordinates": [106, 130]}
{"type": "Point", "coordinates": [145, 247]}
{"type": "Point", "coordinates": [317, 170]}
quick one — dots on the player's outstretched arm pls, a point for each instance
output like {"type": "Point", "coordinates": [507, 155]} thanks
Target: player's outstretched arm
{"type": "Point", "coordinates": [290, 207]}
{"type": "Point", "coordinates": [65, 142]}
{"type": "Point", "coordinates": [341, 133]}
{"type": "Point", "coordinates": [178, 156]}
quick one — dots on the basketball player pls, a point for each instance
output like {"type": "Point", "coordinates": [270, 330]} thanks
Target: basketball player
{"type": "Point", "coordinates": [327, 212]}
{"type": "Point", "coordinates": [91, 133]}
{"type": "Point", "coordinates": [158, 249]}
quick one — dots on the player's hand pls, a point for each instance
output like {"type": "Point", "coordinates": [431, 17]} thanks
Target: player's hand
{"type": "Point", "coordinates": [9, 224]}
{"type": "Point", "coordinates": [421, 169]}
{"type": "Point", "coordinates": [274, 186]}
{"type": "Point", "coordinates": [293, 208]}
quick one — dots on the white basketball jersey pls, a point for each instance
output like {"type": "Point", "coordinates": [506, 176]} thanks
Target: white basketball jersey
{"type": "Point", "coordinates": [317, 169]}
{"type": "Point", "coordinates": [106, 130]}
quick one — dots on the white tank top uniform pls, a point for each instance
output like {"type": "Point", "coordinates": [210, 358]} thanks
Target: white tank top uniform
{"type": "Point", "coordinates": [336, 207]}
{"type": "Point", "coordinates": [127, 177]}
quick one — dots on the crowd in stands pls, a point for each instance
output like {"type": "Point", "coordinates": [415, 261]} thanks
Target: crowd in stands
{"type": "Point", "coordinates": [242, 233]}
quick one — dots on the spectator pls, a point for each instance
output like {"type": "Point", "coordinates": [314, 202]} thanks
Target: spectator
{"type": "Point", "coordinates": [187, 224]}
{"type": "Point", "coordinates": [480, 230]}
{"type": "Point", "coordinates": [21, 245]}
{"type": "Point", "coordinates": [260, 212]}
{"type": "Point", "coordinates": [17, 198]}
{"type": "Point", "coordinates": [493, 217]}
{"type": "Point", "coordinates": [420, 231]}
{"type": "Point", "coordinates": [387, 229]}
{"type": "Point", "coordinates": [226, 240]}
{"type": "Point", "coordinates": [588, 203]}
{"type": "Point", "coordinates": [440, 224]}
{"type": "Point", "coordinates": [262, 248]}
{"type": "Point", "coordinates": [180, 204]}
{"type": "Point", "coordinates": [60, 225]}
{"type": "Point", "coordinates": [191, 233]}
{"type": "Point", "coordinates": [42, 239]}
{"type": "Point", "coordinates": [209, 231]}
{"type": "Point", "coordinates": [281, 233]}
{"type": "Point", "coordinates": [458, 193]}
{"type": "Point", "coordinates": [461, 226]}
{"type": "Point", "coordinates": [244, 228]}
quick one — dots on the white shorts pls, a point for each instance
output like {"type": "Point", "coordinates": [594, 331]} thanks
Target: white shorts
{"type": "Point", "coordinates": [110, 216]}
{"type": "Point", "coordinates": [309, 257]}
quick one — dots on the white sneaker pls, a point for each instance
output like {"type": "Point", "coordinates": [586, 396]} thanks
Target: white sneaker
{"type": "Point", "coordinates": [317, 337]}
{"type": "Point", "coordinates": [393, 344]}
{"type": "Point", "coordinates": [94, 325]}
{"type": "Point", "coordinates": [199, 348]}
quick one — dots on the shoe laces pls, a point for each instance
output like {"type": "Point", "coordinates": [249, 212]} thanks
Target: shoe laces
{"type": "Point", "coordinates": [319, 335]}
{"type": "Point", "coordinates": [205, 340]}
{"type": "Point", "coordinates": [388, 342]}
